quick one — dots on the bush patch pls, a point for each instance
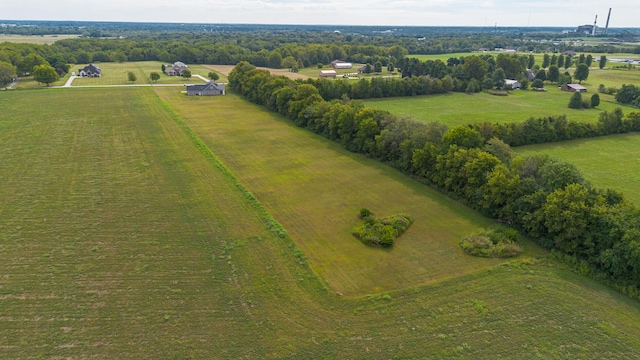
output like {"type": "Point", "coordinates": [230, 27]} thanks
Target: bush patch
{"type": "Point", "coordinates": [381, 231]}
{"type": "Point", "coordinates": [498, 243]}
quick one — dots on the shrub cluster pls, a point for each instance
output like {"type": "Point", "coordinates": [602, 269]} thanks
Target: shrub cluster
{"type": "Point", "coordinates": [381, 231]}
{"type": "Point", "coordinates": [548, 200]}
{"type": "Point", "coordinates": [497, 243]}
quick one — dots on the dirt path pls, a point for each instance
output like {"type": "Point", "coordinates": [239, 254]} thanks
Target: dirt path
{"type": "Point", "coordinates": [226, 69]}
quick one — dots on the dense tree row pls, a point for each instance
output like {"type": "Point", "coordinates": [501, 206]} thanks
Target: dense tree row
{"type": "Point", "coordinates": [558, 128]}
{"type": "Point", "coordinates": [546, 199]}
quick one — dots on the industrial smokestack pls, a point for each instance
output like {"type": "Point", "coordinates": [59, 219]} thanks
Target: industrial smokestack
{"type": "Point", "coordinates": [593, 31]}
{"type": "Point", "coordinates": [606, 28]}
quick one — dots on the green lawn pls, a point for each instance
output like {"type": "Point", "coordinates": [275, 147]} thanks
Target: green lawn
{"type": "Point", "coordinates": [607, 162]}
{"type": "Point", "coordinates": [459, 108]}
{"type": "Point", "coordinates": [124, 237]}
{"type": "Point", "coordinates": [116, 74]}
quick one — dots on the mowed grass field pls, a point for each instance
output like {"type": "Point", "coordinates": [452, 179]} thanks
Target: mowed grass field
{"type": "Point", "coordinates": [607, 162]}
{"type": "Point", "coordinates": [35, 39]}
{"type": "Point", "coordinates": [459, 108]}
{"type": "Point", "coordinates": [124, 237]}
{"type": "Point", "coordinates": [114, 73]}
{"type": "Point", "coordinates": [316, 189]}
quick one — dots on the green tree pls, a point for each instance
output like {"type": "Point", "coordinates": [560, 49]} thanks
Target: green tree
{"type": "Point", "coordinates": [537, 84]}
{"type": "Point", "coordinates": [462, 136]}
{"type": "Point", "coordinates": [274, 60]}
{"type": "Point", "coordinates": [627, 94]}
{"type": "Point", "coordinates": [531, 62]}
{"type": "Point", "coordinates": [7, 73]}
{"type": "Point", "coordinates": [576, 100]}
{"type": "Point", "coordinates": [582, 59]}
{"type": "Point", "coordinates": [288, 62]}
{"type": "Point", "coordinates": [541, 74]}
{"type": "Point", "coordinates": [377, 67]}
{"type": "Point", "coordinates": [154, 76]}
{"type": "Point", "coordinates": [45, 74]}
{"type": "Point", "coordinates": [595, 100]}
{"type": "Point", "coordinates": [29, 62]}
{"type": "Point", "coordinates": [602, 62]}
{"type": "Point", "coordinates": [498, 78]}
{"type": "Point", "coordinates": [568, 61]}
{"type": "Point", "coordinates": [560, 62]}
{"type": "Point", "coordinates": [131, 77]}
{"type": "Point", "coordinates": [553, 74]}
{"type": "Point", "coordinates": [475, 68]}
{"type": "Point", "coordinates": [554, 60]}
{"type": "Point", "coordinates": [213, 76]}
{"type": "Point", "coordinates": [589, 60]}
{"type": "Point", "coordinates": [582, 72]}
{"type": "Point", "coordinates": [546, 60]}
{"type": "Point", "coordinates": [186, 74]}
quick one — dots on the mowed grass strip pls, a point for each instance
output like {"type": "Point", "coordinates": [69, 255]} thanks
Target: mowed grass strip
{"type": "Point", "coordinates": [607, 162]}
{"type": "Point", "coordinates": [316, 189]}
{"type": "Point", "coordinates": [459, 108]}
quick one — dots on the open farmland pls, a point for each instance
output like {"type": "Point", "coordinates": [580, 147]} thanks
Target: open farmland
{"type": "Point", "coordinates": [607, 162]}
{"type": "Point", "coordinates": [124, 237]}
{"type": "Point", "coordinates": [459, 108]}
{"type": "Point", "coordinates": [315, 189]}
{"type": "Point", "coordinates": [35, 39]}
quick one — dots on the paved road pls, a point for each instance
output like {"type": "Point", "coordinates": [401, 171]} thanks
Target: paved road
{"type": "Point", "coordinates": [13, 84]}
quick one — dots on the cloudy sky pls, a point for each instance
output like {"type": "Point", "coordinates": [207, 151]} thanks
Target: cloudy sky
{"type": "Point", "coordinates": [565, 13]}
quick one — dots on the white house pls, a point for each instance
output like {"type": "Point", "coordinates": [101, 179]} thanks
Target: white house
{"type": "Point", "coordinates": [328, 73]}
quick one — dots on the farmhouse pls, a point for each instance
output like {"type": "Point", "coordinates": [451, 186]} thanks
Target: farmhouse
{"type": "Point", "coordinates": [91, 70]}
{"type": "Point", "coordinates": [176, 69]}
{"type": "Point", "coordinates": [327, 73]}
{"type": "Point", "coordinates": [208, 89]}
{"type": "Point", "coordinates": [339, 64]}
{"type": "Point", "coordinates": [513, 84]}
{"type": "Point", "coordinates": [573, 88]}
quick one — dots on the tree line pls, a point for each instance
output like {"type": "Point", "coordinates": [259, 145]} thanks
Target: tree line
{"type": "Point", "coordinates": [544, 198]}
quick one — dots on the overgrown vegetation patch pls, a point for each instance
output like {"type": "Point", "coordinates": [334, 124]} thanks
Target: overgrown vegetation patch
{"type": "Point", "coordinates": [381, 231]}
{"type": "Point", "coordinates": [498, 242]}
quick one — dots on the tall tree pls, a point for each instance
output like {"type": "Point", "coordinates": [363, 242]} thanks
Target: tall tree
{"type": "Point", "coordinates": [45, 74]}
{"type": "Point", "coordinates": [589, 60]}
{"type": "Point", "coordinates": [560, 60]}
{"type": "Point", "coordinates": [131, 77]}
{"type": "Point", "coordinates": [602, 62]}
{"type": "Point", "coordinates": [546, 60]}
{"type": "Point", "coordinates": [532, 61]}
{"type": "Point", "coordinates": [582, 72]}
{"type": "Point", "coordinates": [498, 78]}
{"type": "Point", "coordinates": [554, 73]}
{"type": "Point", "coordinates": [568, 61]}
{"type": "Point", "coordinates": [582, 59]}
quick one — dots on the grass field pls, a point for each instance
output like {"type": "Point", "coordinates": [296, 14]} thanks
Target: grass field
{"type": "Point", "coordinates": [35, 39]}
{"type": "Point", "coordinates": [116, 74]}
{"type": "Point", "coordinates": [459, 108]}
{"type": "Point", "coordinates": [607, 162]}
{"type": "Point", "coordinates": [315, 189]}
{"type": "Point", "coordinates": [123, 237]}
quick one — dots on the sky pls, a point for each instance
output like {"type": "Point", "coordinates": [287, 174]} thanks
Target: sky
{"type": "Point", "coordinates": [562, 13]}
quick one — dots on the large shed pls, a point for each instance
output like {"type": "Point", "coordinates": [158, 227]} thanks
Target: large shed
{"type": "Point", "coordinates": [328, 73]}
{"type": "Point", "coordinates": [573, 88]}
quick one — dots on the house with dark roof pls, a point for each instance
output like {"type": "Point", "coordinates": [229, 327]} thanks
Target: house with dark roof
{"type": "Point", "coordinates": [209, 89]}
{"type": "Point", "coordinates": [91, 70]}
{"type": "Point", "coordinates": [176, 69]}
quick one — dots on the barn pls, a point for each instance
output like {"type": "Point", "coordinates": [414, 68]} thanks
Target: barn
{"type": "Point", "coordinates": [573, 88]}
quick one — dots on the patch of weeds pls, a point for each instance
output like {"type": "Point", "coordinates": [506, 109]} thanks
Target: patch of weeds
{"type": "Point", "coordinates": [381, 231]}
{"type": "Point", "coordinates": [499, 242]}
{"type": "Point", "coordinates": [480, 307]}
